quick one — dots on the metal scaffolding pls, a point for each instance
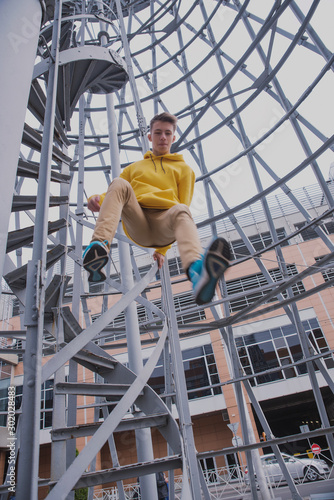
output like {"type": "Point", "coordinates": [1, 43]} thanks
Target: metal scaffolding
{"type": "Point", "coordinates": [80, 78]}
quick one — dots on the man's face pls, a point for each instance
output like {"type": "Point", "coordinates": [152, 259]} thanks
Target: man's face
{"type": "Point", "coordinates": [162, 137]}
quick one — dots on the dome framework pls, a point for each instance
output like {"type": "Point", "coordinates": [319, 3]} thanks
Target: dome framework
{"type": "Point", "coordinates": [225, 69]}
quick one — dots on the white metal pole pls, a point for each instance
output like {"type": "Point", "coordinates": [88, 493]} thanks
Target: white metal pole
{"type": "Point", "coordinates": [143, 436]}
{"type": "Point", "coordinates": [35, 294]}
{"type": "Point", "coordinates": [20, 23]}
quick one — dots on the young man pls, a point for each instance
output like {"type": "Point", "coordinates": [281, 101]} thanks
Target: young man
{"type": "Point", "coordinates": [152, 197]}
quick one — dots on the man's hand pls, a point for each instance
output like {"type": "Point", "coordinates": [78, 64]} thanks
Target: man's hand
{"type": "Point", "coordinates": [159, 258]}
{"type": "Point", "coordinates": [93, 204]}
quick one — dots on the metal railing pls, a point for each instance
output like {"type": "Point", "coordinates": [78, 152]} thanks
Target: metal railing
{"type": "Point", "coordinates": [220, 481]}
{"type": "Point", "coordinates": [223, 483]}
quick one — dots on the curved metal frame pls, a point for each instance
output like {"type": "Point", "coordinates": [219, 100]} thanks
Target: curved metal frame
{"type": "Point", "coordinates": [131, 137]}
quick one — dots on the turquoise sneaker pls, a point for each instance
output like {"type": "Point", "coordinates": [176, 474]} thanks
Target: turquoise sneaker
{"type": "Point", "coordinates": [95, 257]}
{"type": "Point", "coordinates": [205, 273]}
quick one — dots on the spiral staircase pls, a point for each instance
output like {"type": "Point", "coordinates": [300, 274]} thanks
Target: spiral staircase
{"type": "Point", "coordinates": [99, 70]}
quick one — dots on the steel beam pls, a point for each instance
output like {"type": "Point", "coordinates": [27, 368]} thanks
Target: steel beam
{"type": "Point", "coordinates": [190, 467]}
{"type": "Point", "coordinates": [34, 317]}
{"type": "Point", "coordinates": [127, 424]}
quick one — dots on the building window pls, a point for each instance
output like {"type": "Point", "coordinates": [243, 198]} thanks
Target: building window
{"type": "Point", "coordinates": [4, 384]}
{"type": "Point", "coordinates": [97, 287]}
{"type": "Point", "coordinates": [16, 307]}
{"type": "Point", "coordinates": [328, 273]}
{"type": "Point", "coordinates": [200, 369]}
{"type": "Point", "coordinates": [259, 242]}
{"type": "Point", "coordinates": [310, 233]}
{"type": "Point", "coordinates": [174, 265]}
{"type": "Point", "coordinates": [46, 403]}
{"type": "Point", "coordinates": [209, 469]}
{"type": "Point", "coordinates": [280, 346]}
{"type": "Point", "coordinates": [256, 281]}
{"type": "Point", "coordinates": [182, 303]}
{"type": "Point", "coordinates": [225, 415]}
{"type": "Point", "coordinates": [5, 370]}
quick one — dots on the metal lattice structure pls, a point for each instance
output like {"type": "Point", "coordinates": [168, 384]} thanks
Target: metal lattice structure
{"type": "Point", "coordinates": [88, 74]}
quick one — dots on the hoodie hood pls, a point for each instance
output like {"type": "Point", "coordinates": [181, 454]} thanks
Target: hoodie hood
{"type": "Point", "coordinates": [169, 156]}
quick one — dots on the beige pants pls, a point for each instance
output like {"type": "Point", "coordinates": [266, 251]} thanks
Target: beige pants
{"type": "Point", "coordinates": [147, 227]}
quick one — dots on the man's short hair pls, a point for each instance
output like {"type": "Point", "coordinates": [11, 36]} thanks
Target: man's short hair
{"type": "Point", "coordinates": [164, 117]}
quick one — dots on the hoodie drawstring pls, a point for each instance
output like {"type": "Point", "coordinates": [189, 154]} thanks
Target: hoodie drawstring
{"type": "Point", "coordinates": [155, 167]}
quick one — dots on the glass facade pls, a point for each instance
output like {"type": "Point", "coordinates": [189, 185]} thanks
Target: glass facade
{"type": "Point", "coordinates": [182, 303]}
{"type": "Point", "coordinates": [46, 402]}
{"type": "Point", "coordinates": [174, 265]}
{"type": "Point", "coordinates": [243, 286]}
{"type": "Point", "coordinates": [4, 384]}
{"type": "Point", "coordinates": [327, 274]}
{"type": "Point", "coordinates": [200, 370]}
{"type": "Point", "coordinates": [5, 370]}
{"type": "Point", "coordinates": [277, 347]}
{"type": "Point", "coordinates": [310, 233]}
{"type": "Point", "coordinates": [258, 241]}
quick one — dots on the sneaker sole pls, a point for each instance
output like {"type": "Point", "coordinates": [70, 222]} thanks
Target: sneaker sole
{"type": "Point", "coordinates": [97, 259]}
{"type": "Point", "coordinates": [215, 264]}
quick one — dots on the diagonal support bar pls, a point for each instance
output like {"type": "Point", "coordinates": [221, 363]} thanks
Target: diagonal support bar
{"type": "Point", "coordinates": [77, 468]}
{"type": "Point", "coordinates": [79, 342]}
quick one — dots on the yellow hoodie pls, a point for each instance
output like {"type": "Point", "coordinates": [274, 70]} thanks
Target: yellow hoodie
{"type": "Point", "coordinates": [160, 182]}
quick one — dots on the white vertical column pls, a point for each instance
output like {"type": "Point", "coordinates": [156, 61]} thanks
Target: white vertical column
{"type": "Point", "coordinates": [19, 27]}
{"type": "Point", "coordinates": [143, 436]}
{"type": "Point", "coordinates": [27, 479]}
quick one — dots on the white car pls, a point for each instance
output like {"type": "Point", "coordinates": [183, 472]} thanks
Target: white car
{"type": "Point", "coordinates": [309, 469]}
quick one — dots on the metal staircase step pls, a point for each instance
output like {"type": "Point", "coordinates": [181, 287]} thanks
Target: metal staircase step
{"type": "Point", "coordinates": [23, 237]}
{"type": "Point", "coordinates": [33, 140]}
{"type": "Point", "coordinates": [36, 104]}
{"type": "Point", "coordinates": [130, 471]}
{"type": "Point", "coordinates": [71, 326]}
{"type": "Point", "coordinates": [52, 294]}
{"type": "Point", "coordinates": [98, 363]}
{"type": "Point", "coordinates": [31, 169]}
{"type": "Point", "coordinates": [92, 362]}
{"type": "Point", "coordinates": [65, 32]}
{"type": "Point", "coordinates": [18, 277]}
{"type": "Point", "coordinates": [147, 400]}
{"type": "Point", "coordinates": [120, 473]}
{"type": "Point", "coordinates": [26, 202]}
{"type": "Point", "coordinates": [10, 350]}
{"type": "Point", "coordinates": [51, 300]}
{"type": "Point", "coordinates": [128, 424]}
{"type": "Point", "coordinates": [13, 334]}
{"type": "Point", "coordinates": [92, 389]}
{"type": "Point", "coordinates": [81, 69]}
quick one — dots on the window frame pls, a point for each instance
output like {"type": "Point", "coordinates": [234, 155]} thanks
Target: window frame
{"type": "Point", "coordinates": [288, 332]}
